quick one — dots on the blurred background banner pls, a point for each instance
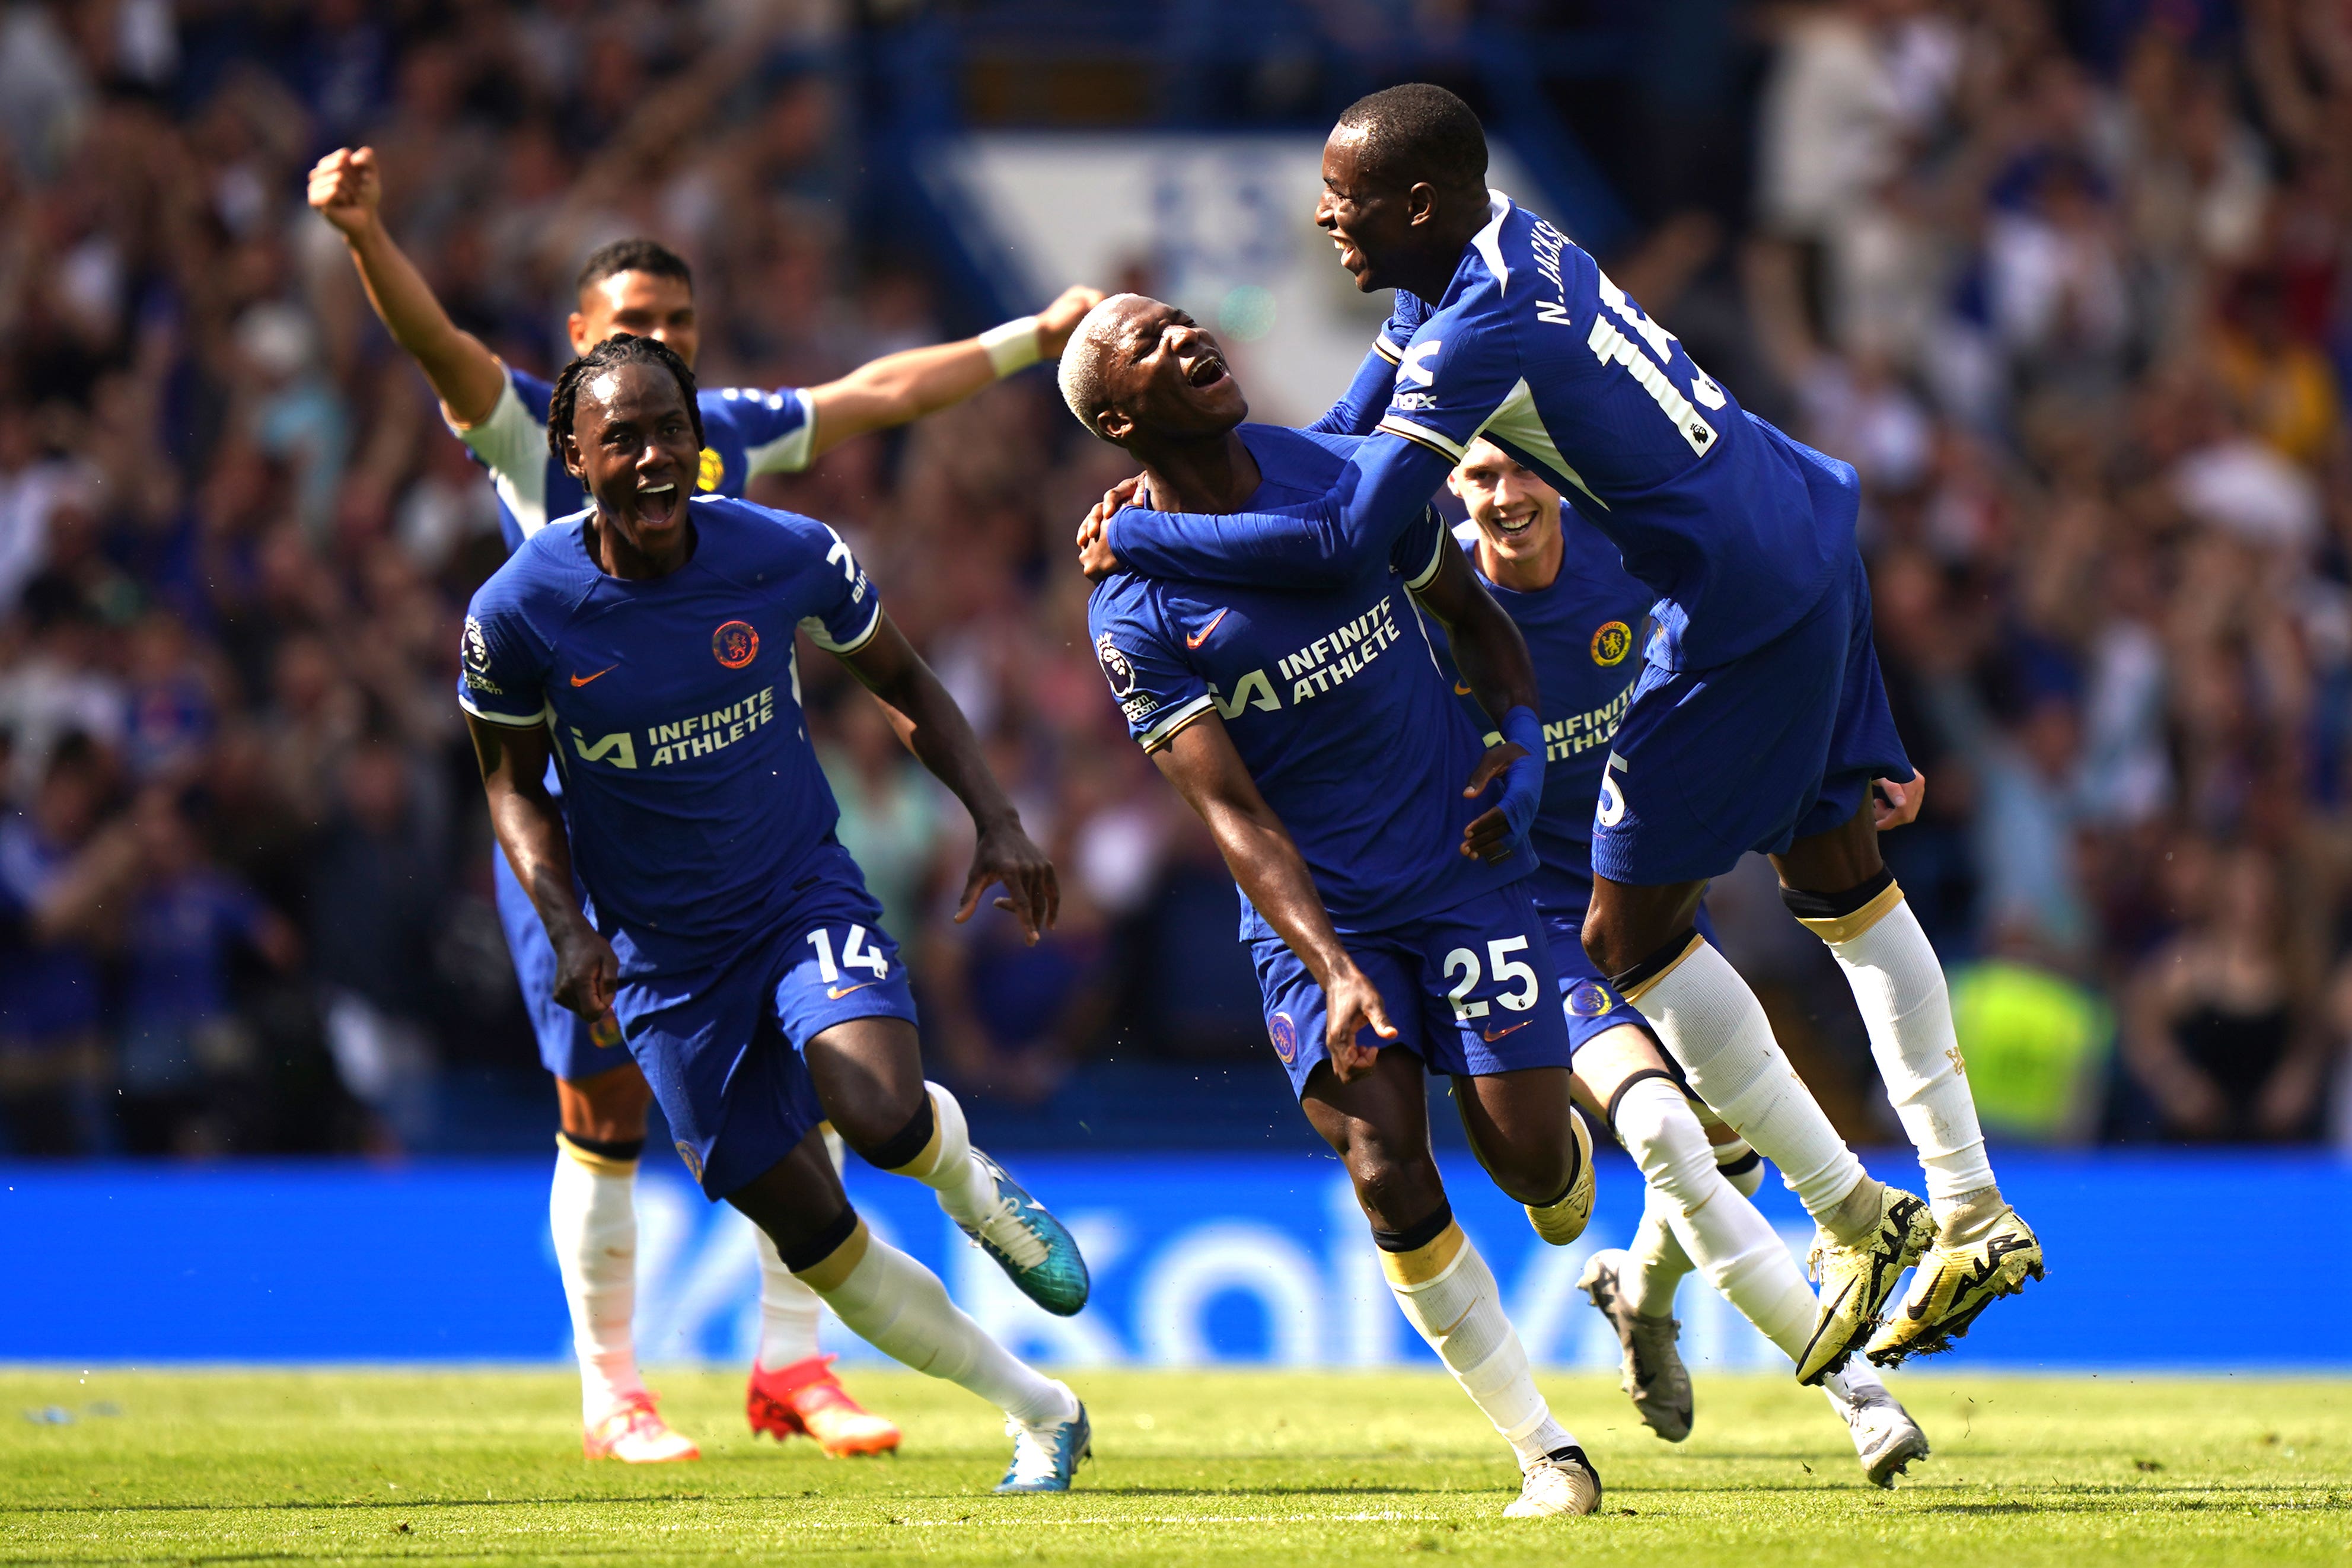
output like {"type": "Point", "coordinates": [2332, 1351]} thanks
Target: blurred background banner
{"type": "Point", "coordinates": [2069, 282]}
{"type": "Point", "coordinates": [1196, 1260]}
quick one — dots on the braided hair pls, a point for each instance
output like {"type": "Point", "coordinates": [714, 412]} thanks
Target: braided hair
{"type": "Point", "coordinates": [618, 350]}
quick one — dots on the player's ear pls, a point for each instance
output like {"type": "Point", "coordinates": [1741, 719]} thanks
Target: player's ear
{"type": "Point", "coordinates": [1421, 201]}
{"type": "Point", "coordinates": [572, 450]}
{"type": "Point", "coordinates": [1114, 427]}
{"type": "Point", "coordinates": [576, 325]}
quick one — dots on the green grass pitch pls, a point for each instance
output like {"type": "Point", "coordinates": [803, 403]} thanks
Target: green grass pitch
{"type": "Point", "coordinates": [1222, 1467]}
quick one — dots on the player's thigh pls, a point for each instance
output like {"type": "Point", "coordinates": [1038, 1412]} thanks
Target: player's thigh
{"type": "Point", "coordinates": [1521, 1127]}
{"type": "Point", "coordinates": [1377, 1123]}
{"type": "Point", "coordinates": [797, 1199]}
{"type": "Point", "coordinates": [1626, 923]}
{"type": "Point", "coordinates": [609, 1107]}
{"type": "Point", "coordinates": [868, 1074]}
{"type": "Point", "coordinates": [841, 994]}
{"type": "Point", "coordinates": [1613, 1061]}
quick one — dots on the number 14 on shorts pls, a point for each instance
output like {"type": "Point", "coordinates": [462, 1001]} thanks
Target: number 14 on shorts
{"type": "Point", "coordinates": [1463, 968]}
{"type": "Point", "coordinates": [855, 954]}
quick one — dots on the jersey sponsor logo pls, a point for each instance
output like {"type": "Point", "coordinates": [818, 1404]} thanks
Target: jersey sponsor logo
{"type": "Point", "coordinates": [713, 472]}
{"type": "Point", "coordinates": [1194, 639]}
{"type": "Point", "coordinates": [1284, 1036]}
{"type": "Point", "coordinates": [1117, 668]}
{"type": "Point", "coordinates": [735, 644]}
{"type": "Point", "coordinates": [1611, 642]}
{"type": "Point", "coordinates": [579, 680]}
{"type": "Point", "coordinates": [1579, 733]}
{"type": "Point", "coordinates": [699, 734]}
{"type": "Point", "coordinates": [1590, 999]}
{"type": "Point", "coordinates": [1252, 690]}
{"type": "Point", "coordinates": [693, 1161]}
{"type": "Point", "coordinates": [621, 750]}
{"type": "Point", "coordinates": [1341, 654]}
{"type": "Point", "coordinates": [1419, 366]}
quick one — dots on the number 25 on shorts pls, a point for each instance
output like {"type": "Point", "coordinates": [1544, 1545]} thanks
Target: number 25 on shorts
{"type": "Point", "coordinates": [1462, 968]}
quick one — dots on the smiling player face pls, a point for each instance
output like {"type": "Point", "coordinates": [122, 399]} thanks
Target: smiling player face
{"type": "Point", "coordinates": [1517, 514]}
{"type": "Point", "coordinates": [642, 305]}
{"type": "Point", "coordinates": [634, 447]}
{"type": "Point", "coordinates": [1162, 374]}
{"type": "Point", "coordinates": [1368, 222]}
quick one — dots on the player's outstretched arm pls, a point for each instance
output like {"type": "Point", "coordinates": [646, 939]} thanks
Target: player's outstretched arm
{"type": "Point", "coordinates": [530, 829]}
{"type": "Point", "coordinates": [1494, 659]}
{"type": "Point", "coordinates": [899, 388]}
{"type": "Point", "coordinates": [1200, 762]}
{"type": "Point", "coordinates": [347, 191]}
{"type": "Point", "coordinates": [1380, 491]}
{"type": "Point", "coordinates": [931, 726]}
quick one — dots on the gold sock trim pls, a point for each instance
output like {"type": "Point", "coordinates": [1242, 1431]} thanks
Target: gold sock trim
{"type": "Point", "coordinates": [828, 1272]}
{"type": "Point", "coordinates": [1846, 928]}
{"type": "Point", "coordinates": [1645, 987]}
{"type": "Point", "coordinates": [603, 1165]}
{"type": "Point", "coordinates": [925, 1164]}
{"type": "Point", "coordinates": [1425, 1263]}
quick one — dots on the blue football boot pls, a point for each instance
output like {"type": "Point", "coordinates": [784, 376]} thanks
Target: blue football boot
{"type": "Point", "coordinates": [1045, 1458]}
{"type": "Point", "coordinates": [1030, 1246]}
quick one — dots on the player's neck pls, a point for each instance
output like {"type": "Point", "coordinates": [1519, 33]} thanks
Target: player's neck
{"type": "Point", "coordinates": [613, 550]}
{"type": "Point", "coordinates": [1525, 573]}
{"type": "Point", "coordinates": [1214, 475]}
{"type": "Point", "coordinates": [1428, 272]}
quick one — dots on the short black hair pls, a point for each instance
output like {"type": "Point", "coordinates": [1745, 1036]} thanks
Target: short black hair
{"type": "Point", "coordinates": [1416, 133]}
{"type": "Point", "coordinates": [619, 349]}
{"type": "Point", "coordinates": [632, 256]}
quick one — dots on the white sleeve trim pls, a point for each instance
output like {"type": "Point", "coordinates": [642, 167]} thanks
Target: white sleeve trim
{"type": "Point", "coordinates": [819, 636]}
{"type": "Point", "coordinates": [509, 720]}
{"type": "Point", "coordinates": [791, 452]}
{"type": "Point", "coordinates": [513, 446]}
{"type": "Point", "coordinates": [1159, 734]}
{"type": "Point", "coordinates": [1436, 441]}
{"type": "Point", "coordinates": [1437, 558]}
{"type": "Point", "coordinates": [1385, 349]}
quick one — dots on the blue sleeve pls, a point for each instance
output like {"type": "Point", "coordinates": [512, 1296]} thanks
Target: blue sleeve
{"type": "Point", "coordinates": [1359, 408]}
{"type": "Point", "coordinates": [502, 661]}
{"type": "Point", "coordinates": [843, 612]}
{"type": "Point", "coordinates": [1158, 693]}
{"type": "Point", "coordinates": [1458, 370]}
{"type": "Point", "coordinates": [776, 428]}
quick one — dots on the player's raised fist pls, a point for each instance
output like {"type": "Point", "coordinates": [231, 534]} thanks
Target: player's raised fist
{"type": "Point", "coordinates": [1057, 321]}
{"type": "Point", "coordinates": [346, 188]}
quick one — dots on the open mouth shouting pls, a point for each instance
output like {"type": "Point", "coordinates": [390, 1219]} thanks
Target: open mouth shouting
{"type": "Point", "coordinates": [657, 503]}
{"type": "Point", "coordinates": [1206, 370]}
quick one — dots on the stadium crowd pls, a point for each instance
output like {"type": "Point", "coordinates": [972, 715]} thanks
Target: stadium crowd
{"type": "Point", "coordinates": [2077, 308]}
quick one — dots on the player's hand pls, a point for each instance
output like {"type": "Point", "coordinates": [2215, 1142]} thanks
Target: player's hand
{"type": "Point", "coordinates": [346, 189]}
{"type": "Point", "coordinates": [1057, 321]}
{"type": "Point", "coordinates": [1351, 1004]}
{"type": "Point", "coordinates": [1490, 836]}
{"type": "Point", "coordinates": [1095, 556]}
{"type": "Point", "coordinates": [1893, 803]}
{"type": "Point", "coordinates": [1032, 893]}
{"type": "Point", "coordinates": [586, 971]}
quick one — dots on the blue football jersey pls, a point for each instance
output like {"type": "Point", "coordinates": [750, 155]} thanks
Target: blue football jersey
{"type": "Point", "coordinates": [1333, 698]}
{"type": "Point", "coordinates": [747, 432]}
{"type": "Point", "coordinates": [673, 703]}
{"type": "Point", "coordinates": [1736, 529]}
{"type": "Point", "coordinates": [1581, 633]}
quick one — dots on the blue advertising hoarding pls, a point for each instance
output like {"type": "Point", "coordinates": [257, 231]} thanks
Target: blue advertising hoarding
{"type": "Point", "coordinates": [1196, 1260]}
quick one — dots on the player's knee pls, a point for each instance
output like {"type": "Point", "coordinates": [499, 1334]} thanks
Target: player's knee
{"type": "Point", "coordinates": [1654, 1121]}
{"type": "Point", "coordinates": [610, 1107]}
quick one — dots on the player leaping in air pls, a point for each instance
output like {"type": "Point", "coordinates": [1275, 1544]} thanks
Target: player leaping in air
{"type": "Point", "coordinates": [1572, 599]}
{"type": "Point", "coordinates": [638, 287]}
{"type": "Point", "coordinates": [1312, 732]}
{"type": "Point", "coordinates": [1759, 722]}
{"type": "Point", "coordinates": [648, 643]}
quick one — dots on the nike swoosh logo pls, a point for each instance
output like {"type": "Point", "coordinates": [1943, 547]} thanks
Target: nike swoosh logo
{"type": "Point", "coordinates": [1460, 1321]}
{"type": "Point", "coordinates": [1460, 690]}
{"type": "Point", "coordinates": [1192, 641]}
{"type": "Point", "coordinates": [585, 679]}
{"type": "Point", "coordinates": [1492, 1034]}
{"type": "Point", "coordinates": [837, 992]}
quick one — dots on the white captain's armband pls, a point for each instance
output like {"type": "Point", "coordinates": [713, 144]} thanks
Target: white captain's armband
{"type": "Point", "coordinates": [1013, 346]}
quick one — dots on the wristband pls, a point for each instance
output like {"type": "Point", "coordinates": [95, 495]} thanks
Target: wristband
{"type": "Point", "coordinates": [1011, 346]}
{"type": "Point", "coordinates": [1523, 729]}
{"type": "Point", "coordinates": [1523, 781]}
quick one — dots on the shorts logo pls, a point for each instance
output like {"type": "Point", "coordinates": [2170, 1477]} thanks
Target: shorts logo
{"type": "Point", "coordinates": [1611, 642]}
{"type": "Point", "coordinates": [1284, 1036]}
{"type": "Point", "coordinates": [693, 1161]}
{"type": "Point", "coordinates": [735, 645]}
{"type": "Point", "coordinates": [1590, 1000]}
{"type": "Point", "coordinates": [713, 470]}
{"type": "Point", "coordinates": [604, 1032]}
{"type": "Point", "coordinates": [1117, 668]}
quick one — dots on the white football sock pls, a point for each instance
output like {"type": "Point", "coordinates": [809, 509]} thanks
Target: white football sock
{"type": "Point", "coordinates": [1899, 987]}
{"type": "Point", "coordinates": [1734, 1247]}
{"type": "Point", "coordinates": [1857, 1384]}
{"type": "Point", "coordinates": [1655, 1261]}
{"type": "Point", "coordinates": [1711, 1022]}
{"type": "Point", "coordinates": [900, 1307]}
{"type": "Point", "coordinates": [591, 1211]}
{"type": "Point", "coordinates": [947, 1166]}
{"type": "Point", "coordinates": [1449, 1295]}
{"type": "Point", "coordinates": [789, 1312]}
